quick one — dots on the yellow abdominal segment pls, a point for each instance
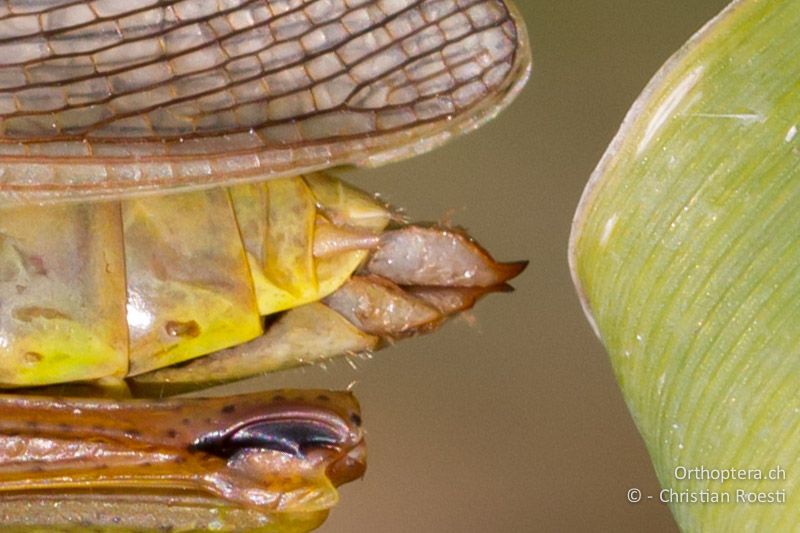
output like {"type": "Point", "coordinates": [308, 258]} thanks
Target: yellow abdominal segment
{"type": "Point", "coordinates": [277, 220]}
{"type": "Point", "coordinates": [116, 288]}
{"type": "Point", "coordinates": [62, 289]}
{"type": "Point", "coordinates": [189, 288]}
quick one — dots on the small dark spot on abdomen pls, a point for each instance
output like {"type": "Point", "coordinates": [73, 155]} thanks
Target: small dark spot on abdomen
{"type": "Point", "coordinates": [175, 328]}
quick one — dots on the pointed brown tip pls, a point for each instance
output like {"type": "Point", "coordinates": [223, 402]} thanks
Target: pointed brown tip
{"type": "Point", "coordinates": [508, 271]}
{"type": "Point", "coordinates": [503, 287]}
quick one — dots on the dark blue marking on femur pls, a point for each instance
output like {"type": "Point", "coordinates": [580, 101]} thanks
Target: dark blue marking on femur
{"type": "Point", "coordinates": [294, 437]}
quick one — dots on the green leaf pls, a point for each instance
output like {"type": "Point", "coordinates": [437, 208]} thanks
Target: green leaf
{"type": "Point", "coordinates": [686, 255]}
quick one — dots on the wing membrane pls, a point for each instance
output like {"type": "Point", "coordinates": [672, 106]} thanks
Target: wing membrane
{"type": "Point", "coordinates": [112, 97]}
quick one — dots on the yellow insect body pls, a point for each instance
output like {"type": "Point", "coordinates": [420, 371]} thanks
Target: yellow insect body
{"type": "Point", "coordinates": [196, 269]}
{"type": "Point", "coordinates": [63, 294]}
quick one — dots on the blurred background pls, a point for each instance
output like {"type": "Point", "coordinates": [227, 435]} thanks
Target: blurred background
{"type": "Point", "coordinates": [513, 421]}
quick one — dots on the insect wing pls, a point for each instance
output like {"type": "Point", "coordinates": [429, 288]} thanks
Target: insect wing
{"type": "Point", "coordinates": [110, 98]}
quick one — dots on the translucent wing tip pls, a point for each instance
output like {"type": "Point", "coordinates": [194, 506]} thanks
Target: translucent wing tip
{"type": "Point", "coordinates": [287, 93]}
